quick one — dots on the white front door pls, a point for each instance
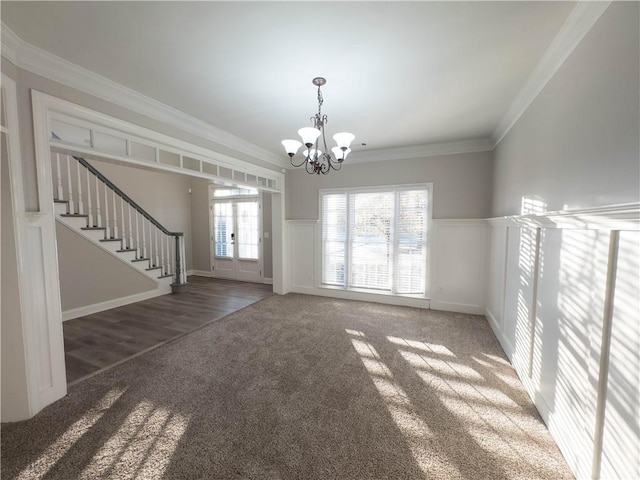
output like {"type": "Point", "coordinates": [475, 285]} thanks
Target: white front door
{"type": "Point", "coordinates": [236, 242]}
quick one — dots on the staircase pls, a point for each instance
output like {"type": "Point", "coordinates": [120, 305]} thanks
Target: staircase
{"type": "Point", "coordinates": [91, 205]}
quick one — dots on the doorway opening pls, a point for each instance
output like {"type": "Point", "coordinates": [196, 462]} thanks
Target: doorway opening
{"type": "Point", "coordinates": [235, 222]}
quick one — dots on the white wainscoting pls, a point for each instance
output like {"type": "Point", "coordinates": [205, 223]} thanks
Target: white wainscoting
{"type": "Point", "coordinates": [457, 258]}
{"type": "Point", "coordinates": [563, 298]}
{"type": "Point", "coordinates": [458, 265]}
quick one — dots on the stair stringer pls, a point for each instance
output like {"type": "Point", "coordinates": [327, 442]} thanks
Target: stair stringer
{"type": "Point", "coordinates": [163, 285]}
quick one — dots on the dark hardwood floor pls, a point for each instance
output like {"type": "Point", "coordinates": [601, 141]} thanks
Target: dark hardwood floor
{"type": "Point", "coordinates": [101, 340]}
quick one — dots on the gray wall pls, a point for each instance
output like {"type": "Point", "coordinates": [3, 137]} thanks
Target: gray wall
{"type": "Point", "coordinates": [165, 196]}
{"type": "Point", "coordinates": [578, 143]}
{"type": "Point", "coordinates": [89, 275]}
{"type": "Point", "coordinates": [461, 183]}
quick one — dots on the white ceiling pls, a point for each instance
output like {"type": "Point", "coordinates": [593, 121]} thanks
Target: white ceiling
{"type": "Point", "coordinates": [399, 74]}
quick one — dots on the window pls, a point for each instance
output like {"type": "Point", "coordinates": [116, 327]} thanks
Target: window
{"type": "Point", "coordinates": [234, 192]}
{"type": "Point", "coordinates": [376, 239]}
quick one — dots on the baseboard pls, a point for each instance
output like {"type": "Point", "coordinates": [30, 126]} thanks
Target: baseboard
{"type": "Point", "coordinates": [116, 302]}
{"type": "Point", "coordinates": [363, 296]}
{"type": "Point", "coordinates": [457, 307]}
{"type": "Point", "coordinates": [268, 281]}
{"type": "Point", "coordinates": [495, 326]}
{"type": "Point", "coordinates": [199, 273]}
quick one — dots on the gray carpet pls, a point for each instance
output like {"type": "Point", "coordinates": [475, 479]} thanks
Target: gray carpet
{"type": "Point", "coordinates": [299, 387]}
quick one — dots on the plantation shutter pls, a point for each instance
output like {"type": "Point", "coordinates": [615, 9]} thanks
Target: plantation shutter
{"type": "Point", "coordinates": [371, 218]}
{"type": "Point", "coordinates": [334, 238]}
{"type": "Point", "coordinates": [376, 240]}
{"type": "Point", "coordinates": [411, 234]}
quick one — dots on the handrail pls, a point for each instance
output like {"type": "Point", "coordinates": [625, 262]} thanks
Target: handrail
{"type": "Point", "coordinates": [124, 196]}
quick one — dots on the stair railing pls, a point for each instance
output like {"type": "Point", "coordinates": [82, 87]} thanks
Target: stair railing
{"type": "Point", "coordinates": [109, 208]}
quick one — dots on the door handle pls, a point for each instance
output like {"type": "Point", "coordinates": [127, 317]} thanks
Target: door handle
{"type": "Point", "coordinates": [233, 238]}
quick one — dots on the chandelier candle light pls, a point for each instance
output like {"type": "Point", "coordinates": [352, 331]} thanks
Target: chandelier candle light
{"type": "Point", "coordinates": [317, 161]}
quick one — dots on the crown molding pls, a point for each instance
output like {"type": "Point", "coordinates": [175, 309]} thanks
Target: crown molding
{"type": "Point", "coordinates": [10, 44]}
{"type": "Point", "coordinates": [576, 26]}
{"type": "Point", "coordinates": [421, 151]}
{"type": "Point", "coordinates": [48, 65]}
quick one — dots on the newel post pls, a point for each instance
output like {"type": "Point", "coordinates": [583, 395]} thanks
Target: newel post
{"type": "Point", "coordinates": [180, 284]}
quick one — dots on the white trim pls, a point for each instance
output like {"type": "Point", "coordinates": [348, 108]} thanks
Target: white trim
{"type": "Point", "coordinates": [68, 112]}
{"type": "Point", "coordinates": [457, 307]}
{"type": "Point", "coordinates": [151, 275]}
{"type": "Point", "coordinates": [267, 281]}
{"type": "Point", "coordinates": [576, 26]}
{"type": "Point", "coordinates": [420, 151]}
{"type": "Point", "coordinates": [114, 303]}
{"type": "Point", "coordinates": [48, 65]}
{"type": "Point", "coordinates": [200, 273]}
{"type": "Point", "coordinates": [29, 327]}
{"type": "Point", "coordinates": [460, 222]}
{"type": "Point", "coordinates": [364, 297]}
{"type": "Point", "coordinates": [612, 217]}
{"type": "Point", "coordinates": [37, 277]}
{"type": "Point", "coordinates": [10, 44]}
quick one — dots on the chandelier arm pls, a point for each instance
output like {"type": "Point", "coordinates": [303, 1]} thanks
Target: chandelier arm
{"type": "Point", "coordinates": [298, 165]}
{"type": "Point", "coordinates": [308, 166]}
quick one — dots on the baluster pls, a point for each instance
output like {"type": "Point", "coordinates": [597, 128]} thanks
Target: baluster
{"type": "Point", "coordinates": [80, 201]}
{"type": "Point", "coordinates": [98, 211]}
{"type": "Point", "coordinates": [168, 265]}
{"type": "Point", "coordinates": [89, 207]}
{"type": "Point", "coordinates": [130, 229]}
{"type": "Point", "coordinates": [150, 246]}
{"type": "Point", "coordinates": [155, 246]}
{"type": "Point", "coordinates": [109, 233]}
{"type": "Point", "coordinates": [158, 251]}
{"type": "Point", "coordinates": [70, 187]}
{"type": "Point", "coordinates": [123, 224]}
{"type": "Point", "coordinates": [59, 179]}
{"type": "Point", "coordinates": [115, 215]}
{"type": "Point", "coordinates": [144, 240]}
{"type": "Point", "coordinates": [140, 253]}
{"type": "Point", "coordinates": [161, 235]}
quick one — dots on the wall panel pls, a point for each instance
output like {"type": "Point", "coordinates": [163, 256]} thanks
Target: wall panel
{"type": "Point", "coordinates": [578, 358]}
{"type": "Point", "coordinates": [621, 430]}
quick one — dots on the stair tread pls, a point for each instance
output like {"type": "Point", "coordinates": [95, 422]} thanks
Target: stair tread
{"type": "Point", "coordinates": [93, 228]}
{"type": "Point", "coordinates": [79, 215]}
{"type": "Point", "coordinates": [153, 268]}
{"type": "Point", "coordinates": [166, 275]}
{"type": "Point", "coordinates": [55, 200]}
{"type": "Point", "coordinates": [127, 250]}
{"type": "Point", "coordinates": [140, 259]}
{"type": "Point", "coordinates": [111, 240]}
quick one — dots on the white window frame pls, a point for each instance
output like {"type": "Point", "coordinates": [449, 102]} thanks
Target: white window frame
{"type": "Point", "coordinates": [375, 189]}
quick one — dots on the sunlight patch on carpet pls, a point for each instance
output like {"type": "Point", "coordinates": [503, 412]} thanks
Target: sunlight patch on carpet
{"type": "Point", "coordinates": [142, 447]}
{"type": "Point", "coordinates": [58, 449]}
{"type": "Point", "coordinates": [416, 432]}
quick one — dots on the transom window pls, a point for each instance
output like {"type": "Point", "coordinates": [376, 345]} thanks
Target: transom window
{"type": "Point", "coordinates": [376, 239]}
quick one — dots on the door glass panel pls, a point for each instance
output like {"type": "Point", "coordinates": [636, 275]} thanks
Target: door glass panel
{"type": "Point", "coordinates": [248, 230]}
{"type": "Point", "coordinates": [223, 229]}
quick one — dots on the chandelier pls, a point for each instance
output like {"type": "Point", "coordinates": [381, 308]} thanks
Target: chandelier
{"type": "Point", "coordinates": [317, 161]}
